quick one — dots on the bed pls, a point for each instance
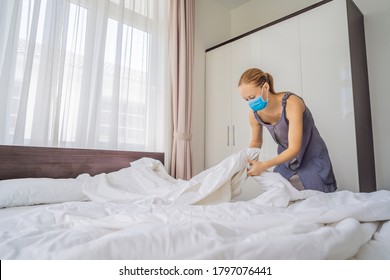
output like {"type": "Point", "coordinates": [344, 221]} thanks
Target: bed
{"type": "Point", "coordinates": [93, 204]}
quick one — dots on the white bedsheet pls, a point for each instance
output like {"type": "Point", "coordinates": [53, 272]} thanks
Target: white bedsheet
{"type": "Point", "coordinates": [147, 181]}
{"type": "Point", "coordinates": [142, 213]}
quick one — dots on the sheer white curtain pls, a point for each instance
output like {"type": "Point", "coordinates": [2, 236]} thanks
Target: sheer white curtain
{"type": "Point", "coordinates": [84, 73]}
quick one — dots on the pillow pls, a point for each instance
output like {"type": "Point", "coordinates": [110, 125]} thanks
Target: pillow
{"type": "Point", "coordinates": [31, 191]}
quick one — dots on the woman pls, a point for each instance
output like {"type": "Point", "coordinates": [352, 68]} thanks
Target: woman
{"type": "Point", "coordinates": [302, 158]}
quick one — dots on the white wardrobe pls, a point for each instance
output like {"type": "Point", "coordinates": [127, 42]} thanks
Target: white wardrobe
{"type": "Point", "coordinates": [317, 53]}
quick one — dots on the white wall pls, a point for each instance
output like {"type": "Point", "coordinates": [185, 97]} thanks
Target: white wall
{"type": "Point", "coordinates": [216, 24]}
{"type": "Point", "coordinates": [377, 31]}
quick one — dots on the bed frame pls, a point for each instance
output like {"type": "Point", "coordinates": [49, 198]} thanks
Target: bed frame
{"type": "Point", "coordinates": [41, 162]}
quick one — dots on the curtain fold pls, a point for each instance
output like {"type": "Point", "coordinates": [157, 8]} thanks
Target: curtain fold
{"type": "Point", "coordinates": [84, 73]}
{"type": "Point", "coordinates": [181, 46]}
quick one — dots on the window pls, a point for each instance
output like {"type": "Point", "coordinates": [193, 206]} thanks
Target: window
{"type": "Point", "coordinates": [84, 73]}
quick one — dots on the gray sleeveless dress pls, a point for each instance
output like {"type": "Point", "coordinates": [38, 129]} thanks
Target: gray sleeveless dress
{"type": "Point", "coordinates": [312, 165]}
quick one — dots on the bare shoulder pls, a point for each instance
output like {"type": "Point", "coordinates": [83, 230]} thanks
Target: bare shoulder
{"type": "Point", "coordinates": [295, 103]}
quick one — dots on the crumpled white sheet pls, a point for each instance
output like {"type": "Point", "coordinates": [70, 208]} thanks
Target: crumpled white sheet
{"type": "Point", "coordinates": [147, 181]}
{"type": "Point", "coordinates": [339, 225]}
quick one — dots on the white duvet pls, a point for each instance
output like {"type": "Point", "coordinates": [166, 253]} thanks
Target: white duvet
{"type": "Point", "coordinates": [141, 212]}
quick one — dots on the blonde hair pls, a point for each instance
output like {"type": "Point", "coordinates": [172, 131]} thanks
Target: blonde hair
{"type": "Point", "coordinates": [258, 78]}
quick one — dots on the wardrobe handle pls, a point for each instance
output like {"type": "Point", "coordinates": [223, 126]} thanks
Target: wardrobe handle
{"type": "Point", "coordinates": [228, 135]}
{"type": "Point", "coordinates": [234, 136]}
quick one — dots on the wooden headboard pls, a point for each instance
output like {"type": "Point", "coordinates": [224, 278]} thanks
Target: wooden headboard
{"type": "Point", "coordinates": [39, 162]}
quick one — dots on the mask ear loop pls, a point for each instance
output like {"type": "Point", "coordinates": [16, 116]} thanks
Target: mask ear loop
{"type": "Point", "coordinates": [262, 94]}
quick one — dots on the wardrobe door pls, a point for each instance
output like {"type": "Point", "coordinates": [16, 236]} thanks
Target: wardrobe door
{"type": "Point", "coordinates": [281, 57]}
{"type": "Point", "coordinates": [246, 53]}
{"type": "Point", "coordinates": [218, 105]}
{"type": "Point", "coordinates": [327, 85]}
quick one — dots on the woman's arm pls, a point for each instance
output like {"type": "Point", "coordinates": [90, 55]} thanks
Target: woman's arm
{"type": "Point", "coordinates": [257, 132]}
{"type": "Point", "coordinates": [294, 113]}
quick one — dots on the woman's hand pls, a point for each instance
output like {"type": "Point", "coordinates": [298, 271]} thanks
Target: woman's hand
{"type": "Point", "coordinates": [256, 167]}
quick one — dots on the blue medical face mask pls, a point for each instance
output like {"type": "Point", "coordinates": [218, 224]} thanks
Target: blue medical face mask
{"type": "Point", "coordinates": [258, 103]}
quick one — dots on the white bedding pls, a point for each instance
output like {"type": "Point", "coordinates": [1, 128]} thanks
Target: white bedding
{"type": "Point", "coordinates": [141, 212]}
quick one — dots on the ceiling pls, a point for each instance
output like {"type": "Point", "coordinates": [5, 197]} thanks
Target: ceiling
{"type": "Point", "coordinates": [231, 4]}
{"type": "Point", "coordinates": [367, 7]}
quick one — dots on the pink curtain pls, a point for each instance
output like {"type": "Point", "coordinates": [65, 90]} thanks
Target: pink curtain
{"type": "Point", "coordinates": [181, 45]}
